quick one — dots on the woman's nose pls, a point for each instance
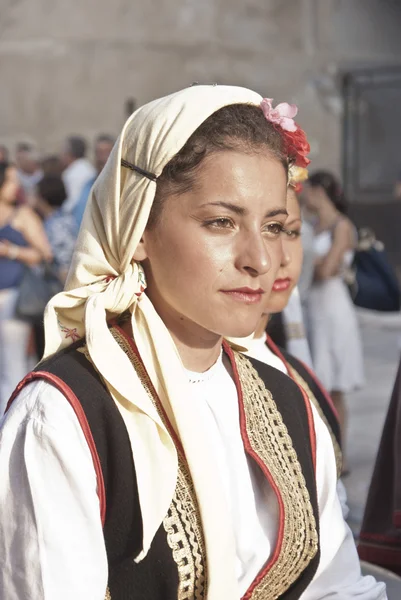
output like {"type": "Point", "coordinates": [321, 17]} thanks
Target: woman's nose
{"type": "Point", "coordinates": [285, 257]}
{"type": "Point", "coordinates": [254, 256]}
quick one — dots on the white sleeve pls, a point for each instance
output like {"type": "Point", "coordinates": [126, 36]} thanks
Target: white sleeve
{"type": "Point", "coordinates": [51, 538]}
{"type": "Point", "coordinates": [338, 576]}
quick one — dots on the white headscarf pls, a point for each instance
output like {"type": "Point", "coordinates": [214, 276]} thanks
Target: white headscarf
{"type": "Point", "coordinates": [104, 280]}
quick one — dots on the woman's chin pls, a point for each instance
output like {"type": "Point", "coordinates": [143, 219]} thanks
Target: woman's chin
{"type": "Point", "coordinates": [240, 330]}
{"type": "Point", "coordinates": [277, 303]}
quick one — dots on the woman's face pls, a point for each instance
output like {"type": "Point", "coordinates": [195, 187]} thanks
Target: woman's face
{"type": "Point", "coordinates": [9, 189]}
{"type": "Point", "coordinates": [291, 262]}
{"type": "Point", "coordinates": [212, 258]}
{"type": "Point", "coordinates": [312, 197]}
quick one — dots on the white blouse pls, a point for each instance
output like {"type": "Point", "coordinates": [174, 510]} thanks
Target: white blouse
{"type": "Point", "coordinates": [51, 538]}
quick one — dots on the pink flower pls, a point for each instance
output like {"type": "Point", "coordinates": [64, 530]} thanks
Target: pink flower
{"type": "Point", "coordinates": [283, 114]}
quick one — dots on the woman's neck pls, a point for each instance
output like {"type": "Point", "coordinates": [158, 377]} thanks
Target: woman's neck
{"type": "Point", "coordinates": [261, 328]}
{"type": "Point", "coordinates": [197, 355]}
{"type": "Point", "coordinates": [327, 217]}
{"type": "Point", "coordinates": [6, 210]}
{"type": "Point", "coordinates": [198, 348]}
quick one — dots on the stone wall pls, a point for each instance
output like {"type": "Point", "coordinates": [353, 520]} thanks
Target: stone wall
{"type": "Point", "coordinates": [69, 67]}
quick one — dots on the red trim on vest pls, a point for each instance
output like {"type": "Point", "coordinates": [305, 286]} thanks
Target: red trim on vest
{"type": "Point", "coordinates": [397, 518]}
{"type": "Point", "coordinates": [265, 471]}
{"type": "Point", "coordinates": [80, 414]}
{"type": "Point", "coordinates": [321, 388]}
{"type": "Point", "coordinates": [311, 421]}
{"type": "Point", "coordinates": [378, 537]}
{"type": "Point", "coordinates": [377, 555]}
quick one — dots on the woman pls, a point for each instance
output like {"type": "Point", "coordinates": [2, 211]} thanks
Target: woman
{"type": "Point", "coordinates": [204, 483]}
{"type": "Point", "coordinates": [22, 242]}
{"type": "Point", "coordinates": [61, 231]}
{"type": "Point", "coordinates": [335, 339]}
{"type": "Point", "coordinates": [60, 227]}
{"type": "Point", "coordinates": [263, 348]}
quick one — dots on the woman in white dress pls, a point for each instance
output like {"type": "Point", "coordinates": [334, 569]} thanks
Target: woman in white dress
{"type": "Point", "coordinates": [334, 333]}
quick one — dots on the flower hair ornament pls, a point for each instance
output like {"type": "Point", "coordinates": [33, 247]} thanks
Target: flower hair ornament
{"type": "Point", "coordinates": [296, 177]}
{"type": "Point", "coordinates": [297, 145]}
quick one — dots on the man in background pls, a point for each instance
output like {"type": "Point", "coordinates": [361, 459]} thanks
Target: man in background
{"type": "Point", "coordinates": [4, 154]}
{"type": "Point", "coordinates": [77, 170]}
{"type": "Point", "coordinates": [103, 146]}
{"type": "Point", "coordinates": [28, 168]}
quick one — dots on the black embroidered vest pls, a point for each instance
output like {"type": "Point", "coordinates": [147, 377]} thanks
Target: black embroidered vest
{"type": "Point", "coordinates": [277, 430]}
{"type": "Point", "coordinates": [316, 394]}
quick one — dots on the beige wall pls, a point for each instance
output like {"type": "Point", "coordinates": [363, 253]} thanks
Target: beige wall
{"type": "Point", "coordinates": [69, 67]}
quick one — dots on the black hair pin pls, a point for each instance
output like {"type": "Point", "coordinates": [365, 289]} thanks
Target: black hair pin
{"type": "Point", "coordinates": [128, 165]}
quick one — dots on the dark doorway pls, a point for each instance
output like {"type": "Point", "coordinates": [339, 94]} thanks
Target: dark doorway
{"type": "Point", "coordinates": [372, 152]}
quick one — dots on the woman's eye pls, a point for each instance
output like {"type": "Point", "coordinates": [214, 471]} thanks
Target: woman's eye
{"type": "Point", "coordinates": [292, 233]}
{"type": "Point", "coordinates": [273, 229]}
{"type": "Point", "coordinates": [220, 223]}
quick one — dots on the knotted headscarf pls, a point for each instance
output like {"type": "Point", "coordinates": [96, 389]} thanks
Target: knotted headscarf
{"type": "Point", "coordinates": [104, 280]}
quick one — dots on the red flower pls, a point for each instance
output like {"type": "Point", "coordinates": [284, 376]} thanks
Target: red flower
{"type": "Point", "coordinates": [297, 146]}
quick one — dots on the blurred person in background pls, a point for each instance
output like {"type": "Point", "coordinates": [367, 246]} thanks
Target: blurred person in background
{"type": "Point", "coordinates": [28, 168]}
{"type": "Point", "coordinates": [380, 536]}
{"type": "Point", "coordinates": [51, 165]}
{"type": "Point", "coordinates": [77, 170]}
{"type": "Point", "coordinates": [22, 242]}
{"type": "Point", "coordinates": [308, 264]}
{"type": "Point", "coordinates": [4, 154]}
{"type": "Point", "coordinates": [61, 231]}
{"type": "Point", "coordinates": [103, 146]}
{"type": "Point", "coordinates": [334, 332]}
{"type": "Point", "coordinates": [60, 227]}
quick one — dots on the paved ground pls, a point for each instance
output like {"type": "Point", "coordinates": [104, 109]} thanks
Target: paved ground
{"type": "Point", "coordinates": [367, 407]}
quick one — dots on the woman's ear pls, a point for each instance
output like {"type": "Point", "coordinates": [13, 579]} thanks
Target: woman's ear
{"type": "Point", "coordinates": [140, 253]}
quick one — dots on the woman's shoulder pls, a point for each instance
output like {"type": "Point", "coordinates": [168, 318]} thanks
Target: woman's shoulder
{"type": "Point", "coordinates": [25, 217]}
{"type": "Point", "coordinates": [23, 211]}
{"type": "Point", "coordinates": [343, 226]}
{"type": "Point", "coordinates": [71, 365]}
{"type": "Point", "coordinates": [38, 403]}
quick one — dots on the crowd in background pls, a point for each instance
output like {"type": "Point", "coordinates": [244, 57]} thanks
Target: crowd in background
{"type": "Point", "coordinates": [42, 202]}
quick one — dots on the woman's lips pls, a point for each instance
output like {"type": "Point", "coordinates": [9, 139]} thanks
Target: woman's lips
{"type": "Point", "coordinates": [245, 295]}
{"type": "Point", "coordinates": [281, 285]}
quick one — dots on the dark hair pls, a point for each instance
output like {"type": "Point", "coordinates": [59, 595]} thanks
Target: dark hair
{"type": "Point", "coordinates": [3, 170]}
{"type": "Point", "coordinates": [51, 189]}
{"type": "Point", "coordinates": [4, 152]}
{"type": "Point", "coordinates": [332, 187]}
{"type": "Point", "coordinates": [76, 146]}
{"type": "Point", "coordinates": [51, 165]}
{"type": "Point", "coordinates": [24, 147]}
{"type": "Point", "coordinates": [105, 137]}
{"type": "Point", "coordinates": [240, 127]}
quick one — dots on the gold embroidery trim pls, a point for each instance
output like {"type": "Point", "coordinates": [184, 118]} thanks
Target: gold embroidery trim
{"type": "Point", "coordinates": [337, 450]}
{"type": "Point", "coordinates": [108, 595]}
{"type": "Point", "coordinates": [269, 439]}
{"type": "Point", "coordinates": [183, 521]}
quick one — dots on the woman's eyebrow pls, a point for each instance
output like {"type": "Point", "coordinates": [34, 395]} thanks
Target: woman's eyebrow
{"type": "Point", "coordinates": [293, 221]}
{"type": "Point", "coordinates": [238, 210]}
{"type": "Point", "coordinates": [242, 211]}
